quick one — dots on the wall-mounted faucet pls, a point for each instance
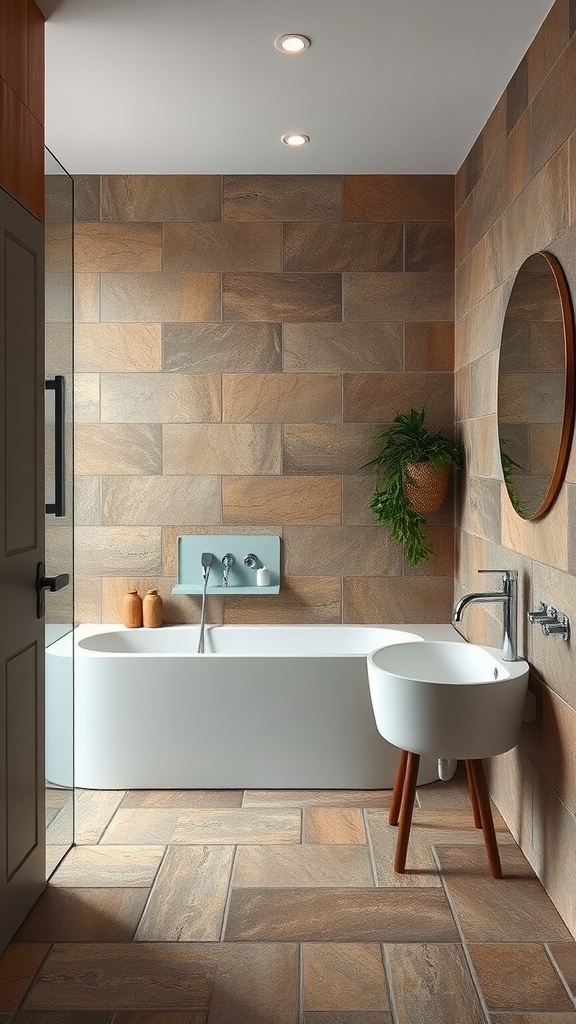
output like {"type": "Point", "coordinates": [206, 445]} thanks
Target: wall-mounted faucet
{"type": "Point", "coordinates": [508, 596]}
{"type": "Point", "coordinates": [227, 561]}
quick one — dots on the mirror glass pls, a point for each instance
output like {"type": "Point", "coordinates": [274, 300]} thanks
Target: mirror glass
{"type": "Point", "coordinates": [536, 385]}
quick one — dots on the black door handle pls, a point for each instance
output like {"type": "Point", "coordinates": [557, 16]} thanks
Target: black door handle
{"type": "Point", "coordinates": [58, 386]}
{"type": "Point", "coordinates": [44, 583]}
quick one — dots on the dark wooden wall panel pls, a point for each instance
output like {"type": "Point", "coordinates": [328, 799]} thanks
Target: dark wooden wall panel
{"type": "Point", "coordinates": [22, 103]}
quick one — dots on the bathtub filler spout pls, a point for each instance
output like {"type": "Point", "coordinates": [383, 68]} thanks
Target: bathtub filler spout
{"type": "Point", "coordinates": [508, 596]}
{"type": "Point", "coordinates": [207, 559]}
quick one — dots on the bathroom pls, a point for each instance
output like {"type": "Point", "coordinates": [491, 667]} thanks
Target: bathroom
{"type": "Point", "coordinates": [259, 423]}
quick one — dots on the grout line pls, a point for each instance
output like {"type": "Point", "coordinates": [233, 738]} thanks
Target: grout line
{"type": "Point", "coordinates": [228, 895]}
{"type": "Point", "coordinates": [388, 981]}
{"type": "Point", "coordinates": [149, 897]}
{"type": "Point", "coordinates": [371, 856]}
{"type": "Point", "coordinates": [559, 972]}
{"type": "Point", "coordinates": [473, 975]}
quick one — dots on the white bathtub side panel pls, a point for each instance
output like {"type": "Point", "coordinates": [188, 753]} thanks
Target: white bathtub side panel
{"type": "Point", "coordinates": [243, 723]}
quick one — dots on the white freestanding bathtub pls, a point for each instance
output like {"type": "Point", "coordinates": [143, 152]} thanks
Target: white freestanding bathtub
{"type": "Point", "coordinates": [264, 707]}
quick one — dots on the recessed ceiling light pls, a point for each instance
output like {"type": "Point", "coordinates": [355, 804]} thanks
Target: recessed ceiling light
{"type": "Point", "coordinates": [292, 43]}
{"type": "Point", "coordinates": [295, 139]}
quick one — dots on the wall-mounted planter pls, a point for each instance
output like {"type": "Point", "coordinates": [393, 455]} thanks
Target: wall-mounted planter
{"type": "Point", "coordinates": [241, 578]}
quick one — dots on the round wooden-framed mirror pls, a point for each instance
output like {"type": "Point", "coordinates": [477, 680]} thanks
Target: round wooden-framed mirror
{"type": "Point", "coordinates": [536, 385]}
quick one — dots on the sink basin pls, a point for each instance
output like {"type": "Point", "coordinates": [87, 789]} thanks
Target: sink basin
{"type": "Point", "coordinates": [447, 699]}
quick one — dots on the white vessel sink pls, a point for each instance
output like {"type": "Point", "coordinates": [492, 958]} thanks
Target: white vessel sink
{"type": "Point", "coordinates": [447, 699]}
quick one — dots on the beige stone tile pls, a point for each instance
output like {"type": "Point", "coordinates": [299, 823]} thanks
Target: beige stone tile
{"type": "Point", "coordinates": [188, 898]}
{"type": "Point", "coordinates": [137, 826]}
{"type": "Point", "coordinates": [126, 976]}
{"type": "Point", "coordinates": [552, 116]}
{"type": "Point", "coordinates": [369, 397]}
{"type": "Point", "coordinates": [517, 976]}
{"type": "Point", "coordinates": [547, 193]}
{"type": "Point", "coordinates": [333, 550]}
{"type": "Point", "coordinates": [222, 246]}
{"type": "Point", "coordinates": [226, 448]}
{"type": "Point", "coordinates": [550, 742]}
{"type": "Point", "coordinates": [547, 46]}
{"type": "Point", "coordinates": [105, 247]}
{"type": "Point", "coordinates": [18, 966]}
{"type": "Point", "coordinates": [333, 825]}
{"type": "Point", "coordinates": [294, 500]}
{"type": "Point", "coordinates": [222, 348]}
{"type": "Point", "coordinates": [510, 780]}
{"type": "Point", "coordinates": [346, 1017]}
{"type": "Point", "coordinates": [117, 348]}
{"type": "Point", "coordinates": [117, 448]}
{"type": "Point", "coordinates": [302, 599]}
{"type": "Point", "coordinates": [86, 196]}
{"type": "Point", "coordinates": [235, 825]}
{"type": "Point", "coordinates": [319, 448]}
{"type": "Point", "coordinates": [518, 157]}
{"type": "Point", "coordinates": [398, 197]}
{"type": "Point", "coordinates": [93, 811]}
{"type": "Point", "coordinates": [282, 197]}
{"type": "Point", "coordinates": [357, 494]}
{"type": "Point", "coordinates": [87, 1017]}
{"type": "Point", "coordinates": [481, 271]}
{"type": "Point", "coordinates": [160, 500]}
{"type": "Point", "coordinates": [160, 398]}
{"type": "Point", "coordinates": [480, 502]}
{"type": "Point", "coordinates": [564, 957]}
{"type": "Point", "coordinates": [160, 297]}
{"type": "Point", "coordinates": [255, 982]}
{"type": "Point", "coordinates": [316, 798]}
{"type": "Point", "coordinates": [408, 297]}
{"type": "Point", "coordinates": [427, 347]}
{"type": "Point", "coordinates": [84, 915]}
{"type": "Point", "coordinates": [285, 297]}
{"type": "Point", "coordinates": [105, 550]}
{"type": "Point", "coordinates": [343, 247]}
{"type": "Point", "coordinates": [479, 330]}
{"type": "Point", "coordinates": [339, 915]}
{"type": "Point", "coordinates": [549, 546]}
{"type": "Point", "coordinates": [282, 398]}
{"type": "Point", "coordinates": [440, 540]}
{"type": "Point", "coordinates": [553, 659]}
{"type": "Point", "coordinates": [514, 908]}
{"type": "Point", "coordinates": [309, 866]}
{"type": "Point", "coordinates": [431, 983]}
{"type": "Point", "coordinates": [164, 798]}
{"type": "Point", "coordinates": [161, 197]}
{"type": "Point", "coordinates": [87, 501]}
{"type": "Point", "coordinates": [392, 599]}
{"type": "Point", "coordinates": [429, 246]}
{"type": "Point", "coordinates": [86, 301]}
{"type": "Point", "coordinates": [343, 976]}
{"type": "Point", "coordinates": [109, 866]}
{"type": "Point", "coordinates": [553, 853]}
{"type": "Point", "coordinates": [86, 398]}
{"type": "Point", "coordinates": [86, 599]}
{"type": "Point", "coordinates": [337, 347]}
{"type": "Point", "coordinates": [450, 795]}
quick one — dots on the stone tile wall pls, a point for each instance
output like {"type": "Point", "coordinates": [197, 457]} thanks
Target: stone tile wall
{"type": "Point", "coordinates": [515, 194]}
{"type": "Point", "coordinates": [239, 341]}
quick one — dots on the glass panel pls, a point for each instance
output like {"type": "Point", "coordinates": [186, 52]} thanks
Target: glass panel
{"type": "Point", "coordinates": [59, 191]}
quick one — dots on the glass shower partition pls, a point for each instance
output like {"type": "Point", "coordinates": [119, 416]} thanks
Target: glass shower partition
{"type": "Point", "coordinates": [59, 368]}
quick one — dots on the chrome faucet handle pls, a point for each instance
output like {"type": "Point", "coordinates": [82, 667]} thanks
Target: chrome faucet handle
{"type": "Point", "coordinates": [507, 574]}
{"type": "Point", "coordinates": [251, 561]}
{"type": "Point", "coordinates": [228, 560]}
{"type": "Point", "coordinates": [545, 614]}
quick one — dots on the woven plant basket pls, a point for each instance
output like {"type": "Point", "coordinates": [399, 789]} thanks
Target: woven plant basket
{"type": "Point", "coordinates": [425, 486]}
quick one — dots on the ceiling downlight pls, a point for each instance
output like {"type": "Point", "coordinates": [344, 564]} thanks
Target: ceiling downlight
{"type": "Point", "coordinates": [292, 43]}
{"type": "Point", "coordinates": [295, 139]}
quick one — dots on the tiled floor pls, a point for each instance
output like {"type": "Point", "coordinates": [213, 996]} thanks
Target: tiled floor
{"type": "Point", "coordinates": [274, 907]}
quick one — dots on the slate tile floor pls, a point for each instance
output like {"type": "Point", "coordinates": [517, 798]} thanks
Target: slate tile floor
{"type": "Point", "coordinates": [276, 907]}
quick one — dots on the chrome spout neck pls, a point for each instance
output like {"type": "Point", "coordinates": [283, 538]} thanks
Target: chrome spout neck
{"type": "Point", "coordinates": [508, 596]}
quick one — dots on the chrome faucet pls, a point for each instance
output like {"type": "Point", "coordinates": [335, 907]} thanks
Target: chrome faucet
{"type": "Point", "coordinates": [509, 598]}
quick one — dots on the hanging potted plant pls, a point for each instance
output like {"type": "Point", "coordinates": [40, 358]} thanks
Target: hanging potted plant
{"type": "Point", "coordinates": [414, 465]}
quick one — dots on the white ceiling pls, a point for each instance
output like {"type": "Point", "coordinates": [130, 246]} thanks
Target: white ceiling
{"type": "Point", "coordinates": [196, 86]}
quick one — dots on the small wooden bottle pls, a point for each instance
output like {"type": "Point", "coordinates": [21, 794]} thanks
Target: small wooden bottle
{"type": "Point", "coordinates": [152, 609]}
{"type": "Point", "coordinates": [132, 610]}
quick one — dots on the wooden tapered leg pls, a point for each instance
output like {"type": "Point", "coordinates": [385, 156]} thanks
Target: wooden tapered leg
{"type": "Point", "coordinates": [479, 779]}
{"type": "Point", "coordinates": [473, 796]}
{"type": "Point", "coordinates": [398, 788]}
{"type": "Point", "coordinates": [405, 818]}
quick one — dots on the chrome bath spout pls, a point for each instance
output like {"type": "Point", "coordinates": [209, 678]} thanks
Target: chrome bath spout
{"type": "Point", "coordinates": [508, 596]}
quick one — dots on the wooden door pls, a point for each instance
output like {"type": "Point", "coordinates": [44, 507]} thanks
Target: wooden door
{"type": "Point", "coordinates": [22, 824]}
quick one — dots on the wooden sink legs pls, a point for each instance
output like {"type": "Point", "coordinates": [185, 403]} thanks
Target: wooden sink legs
{"type": "Point", "coordinates": [404, 794]}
